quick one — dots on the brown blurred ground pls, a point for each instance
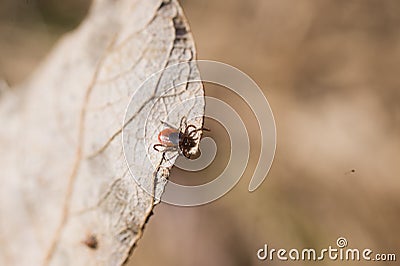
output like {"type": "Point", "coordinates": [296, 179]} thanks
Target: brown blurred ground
{"type": "Point", "coordinates": [330, 70]}
{"type": "Point", "coordinates": [29, 28]}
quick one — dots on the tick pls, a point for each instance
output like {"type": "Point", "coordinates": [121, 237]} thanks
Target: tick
{"type": "Point", "coordinates": [182, 139]}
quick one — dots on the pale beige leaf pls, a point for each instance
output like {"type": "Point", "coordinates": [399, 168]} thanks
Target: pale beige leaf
{"type": "Point", "coordinates": [64, 180]}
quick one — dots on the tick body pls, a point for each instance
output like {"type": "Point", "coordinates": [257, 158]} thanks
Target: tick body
{"type": "Point", "coordinates": [169, 137]}
{"type": "Point", "coordinates": [183, 140]}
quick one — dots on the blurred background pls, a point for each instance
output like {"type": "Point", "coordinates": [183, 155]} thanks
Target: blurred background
{"type": "Point", "coordinates": [330, 70]}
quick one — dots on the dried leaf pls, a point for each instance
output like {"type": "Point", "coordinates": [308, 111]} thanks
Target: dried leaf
{"type": "Point", "coordinates": [65, 183]}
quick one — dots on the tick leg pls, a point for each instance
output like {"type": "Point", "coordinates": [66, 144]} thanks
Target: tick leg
{"type": "Point", "coordinates": [190, 126]}
{"type": "Point", "coordinates": [193, 132]}
{"type": "Point", "coordinates": [163, 148]}
{"type": "Point", "coordinates": [168, 124]}
{"type": "Point", "coordinates": [158, 146]}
